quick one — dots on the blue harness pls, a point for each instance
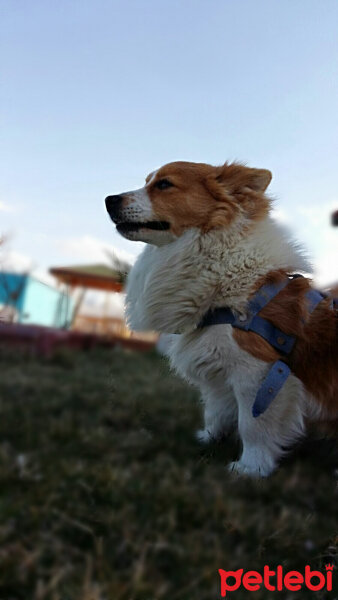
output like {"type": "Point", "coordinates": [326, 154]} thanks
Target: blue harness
{"type": "Point", "coordinates": [279, 372]}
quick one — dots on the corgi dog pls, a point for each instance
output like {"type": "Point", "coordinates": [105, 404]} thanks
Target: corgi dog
{"type": "Point", "coordinates": [211, 244]}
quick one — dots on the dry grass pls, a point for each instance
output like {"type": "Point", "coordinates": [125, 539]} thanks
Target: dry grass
{"type": "Point", "coordinates": [105, 495]}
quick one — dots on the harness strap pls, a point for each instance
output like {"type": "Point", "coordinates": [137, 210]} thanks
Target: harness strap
{"type": "Point", "coordinates": [221, 316]}
{"type": "Point", "coordinates": [218, 316]}
{"type": "Point", "coordinates": [313, 298]}
{"type": "Point", "coordinates": [277, 338]}
{"type": "Point", "coordinates": [279, 372]}
{"type": "Point", "coordinates": [264, 295]}
{"type": "Point", "coordinates": [270, 387]}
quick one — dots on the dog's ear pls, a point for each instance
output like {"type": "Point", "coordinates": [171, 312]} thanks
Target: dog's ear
{"type": "Point", "coordinates": [238, 189]}
{"type": "Point", "coordinates": [259, 179]}
{"type": "Point", "coordinates": [236, 178]}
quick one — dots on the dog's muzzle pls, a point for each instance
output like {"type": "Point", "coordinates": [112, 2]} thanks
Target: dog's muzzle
{"type": "Point", "coordinates": [114, 208]}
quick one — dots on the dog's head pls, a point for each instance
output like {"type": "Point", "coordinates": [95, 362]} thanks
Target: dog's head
{"type": "Point", "coordinates": [184, 195]}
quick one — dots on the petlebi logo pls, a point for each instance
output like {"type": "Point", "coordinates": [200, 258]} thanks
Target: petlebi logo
{"type": "Point", "coordinates": [276, 580]}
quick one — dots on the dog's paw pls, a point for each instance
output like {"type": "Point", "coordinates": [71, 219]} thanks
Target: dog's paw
{"type": "Point", "coordinates": [239, 467]}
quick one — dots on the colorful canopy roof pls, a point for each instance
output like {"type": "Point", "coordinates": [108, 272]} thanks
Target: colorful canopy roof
{"type": "Point", "coordinates": [97, 277]}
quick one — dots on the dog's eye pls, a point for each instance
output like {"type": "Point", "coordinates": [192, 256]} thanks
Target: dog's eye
{"type": "Point", "coordinates": [163, 184]}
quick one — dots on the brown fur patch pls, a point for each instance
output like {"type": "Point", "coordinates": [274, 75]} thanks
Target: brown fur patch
{"type": "Point", "coordinates": [254, 344]}
{"type": "Point", "coordinates": [314, 358]}
{"type": "Point", "coordinates": [208, 197]}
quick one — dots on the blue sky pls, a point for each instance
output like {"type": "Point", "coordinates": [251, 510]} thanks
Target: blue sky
{"type": "Point", "coordinates": [98, 93]}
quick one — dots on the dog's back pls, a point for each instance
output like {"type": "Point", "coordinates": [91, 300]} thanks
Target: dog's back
{"type": "Point", "coordinates": [314, 359]}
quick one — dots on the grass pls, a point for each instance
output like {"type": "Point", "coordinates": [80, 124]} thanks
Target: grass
{"type": "Point", "coordinates": [106, 495]}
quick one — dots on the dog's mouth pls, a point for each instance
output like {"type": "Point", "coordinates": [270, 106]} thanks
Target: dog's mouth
{"type": "Point", "coordinates": [128, 226]}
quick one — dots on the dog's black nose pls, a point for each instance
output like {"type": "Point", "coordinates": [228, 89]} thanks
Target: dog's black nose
{"type": "Point", "coordinates": [113, 205]}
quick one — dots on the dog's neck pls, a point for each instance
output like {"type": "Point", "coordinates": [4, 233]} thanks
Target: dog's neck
{"type": "Point", "coordinates": [171, 287]}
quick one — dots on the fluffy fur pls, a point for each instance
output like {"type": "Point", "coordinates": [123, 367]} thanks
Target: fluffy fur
{"type": "Point", "coordinates": [218, 244]}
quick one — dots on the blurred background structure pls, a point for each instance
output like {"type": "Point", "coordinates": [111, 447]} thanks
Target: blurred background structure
{"type": "Point", "coordinates": [335, 218]}
{"type": "Point", "coordinates": [334, 287]}
{"type": "Point", "coordinates": [84, 278]}
{"type": "Point", "coordinates": [44, 315]}
{"type": "Point", "coordinates": [25, 299]}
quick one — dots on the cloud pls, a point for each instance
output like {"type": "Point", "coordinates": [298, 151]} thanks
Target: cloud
{"type": "Point", "coordinates": [325, 262]}
{"type": "Point", "coordinates": [280, 215]}
{"type": "Point", "coordinates": [89, 249]}
{"type": "Point", "coordinates": [15, 262]}
{"type": "Point", "coordinates": [4, 207]}
{"type": "Point", "coordinates": [311, 225]}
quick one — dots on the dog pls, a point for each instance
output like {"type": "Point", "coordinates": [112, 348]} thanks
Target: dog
{"type": "Point", "coordinates": [212, 245]}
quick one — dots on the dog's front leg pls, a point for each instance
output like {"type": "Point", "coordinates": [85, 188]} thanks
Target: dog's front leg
{"type": "Point", "coordinates": [220, 410]}
{"type": "Point", "coordinates": [266, 438]}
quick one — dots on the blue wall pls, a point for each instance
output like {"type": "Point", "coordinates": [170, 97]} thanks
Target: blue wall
{"type": "Point", "coordinates": [12, 289]}
{"type": "Point", "coordinates": [37, 303]}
